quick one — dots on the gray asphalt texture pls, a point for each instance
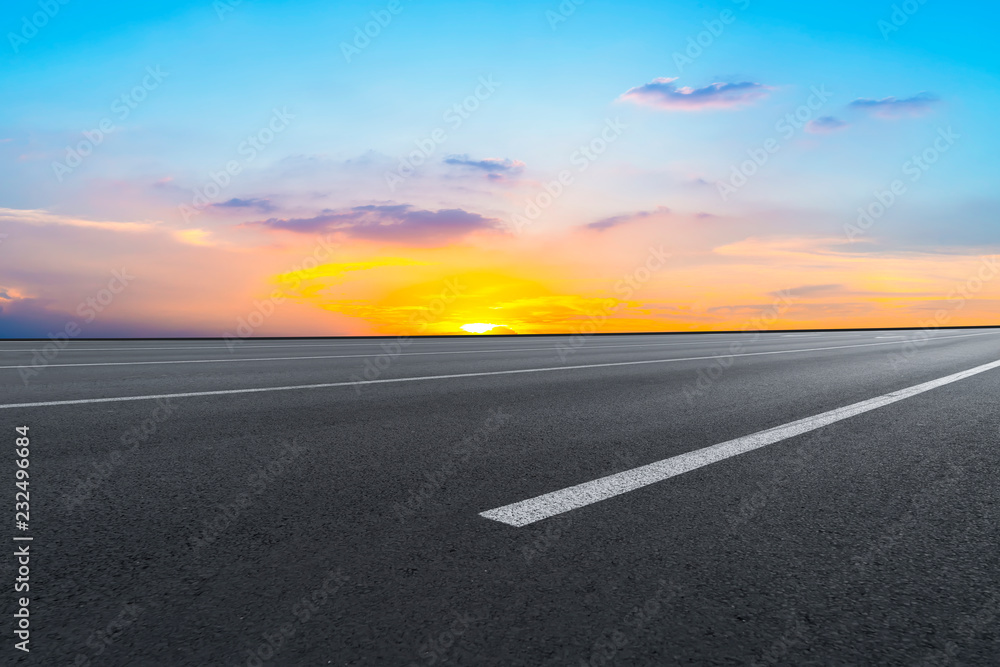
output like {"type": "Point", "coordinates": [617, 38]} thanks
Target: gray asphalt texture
{"type": "Point", "coordinates": [341, 525]}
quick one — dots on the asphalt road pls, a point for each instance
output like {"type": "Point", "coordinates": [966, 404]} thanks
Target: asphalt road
{"type": "Point", "coordinates": [328, 522]}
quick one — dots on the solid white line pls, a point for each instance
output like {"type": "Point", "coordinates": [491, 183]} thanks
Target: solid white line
{"type": "Point", "coordinates": [341, 356]}
{"type": "Point", "coordinates": [326, 385]}
{"type": "Point", "coordinates": [548, 505]}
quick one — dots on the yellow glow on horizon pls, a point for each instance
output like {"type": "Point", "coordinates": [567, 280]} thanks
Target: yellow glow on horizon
{"type": "Point", "coordinates": [338, 269]}
{"type": "Point", "coordinates": [754, 282]}
{"type": "Point", "coordinates": [479, 327]}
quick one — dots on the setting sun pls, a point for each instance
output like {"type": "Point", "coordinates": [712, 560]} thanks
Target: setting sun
{"type": "Point", "coordinates": [479, 327]}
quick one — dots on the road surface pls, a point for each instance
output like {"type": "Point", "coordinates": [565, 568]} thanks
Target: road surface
{"type": "Point", "coordinates": [811, 498]}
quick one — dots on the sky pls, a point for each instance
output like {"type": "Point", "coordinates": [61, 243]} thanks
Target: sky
{"type": "Point", "coordinates": [264, 168]}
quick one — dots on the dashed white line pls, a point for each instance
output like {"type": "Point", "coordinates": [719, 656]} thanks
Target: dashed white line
{"type": "Point", "coordinates": [453, 376]}
{"type": "Point", "coordinates": [548, 505]}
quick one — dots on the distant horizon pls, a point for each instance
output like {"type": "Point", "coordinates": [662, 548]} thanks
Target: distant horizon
{"type": "Point", "coordinates": [238, 340]}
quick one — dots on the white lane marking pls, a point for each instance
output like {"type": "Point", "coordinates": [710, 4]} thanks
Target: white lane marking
{"type": "Point", "coordinates": [326, 385]}
{"type": "Point", "coordinates": [548, 505]}
{"type": "Point", "coordinates": [455, 339]}
{"type": "Point", "coordinates": [341, 356]}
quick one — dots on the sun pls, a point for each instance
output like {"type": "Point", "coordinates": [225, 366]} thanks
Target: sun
{"type": "Point", "coordinates": [479, 327]}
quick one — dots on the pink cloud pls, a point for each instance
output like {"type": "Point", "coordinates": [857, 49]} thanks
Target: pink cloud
{"type": "Point", "coordinates": [662, 93]}
{"type": "Point", "coordinates": [399, 223]}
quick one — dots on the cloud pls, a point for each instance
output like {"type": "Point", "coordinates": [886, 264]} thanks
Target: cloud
{"type": "Point", "coordinates": [399, 223]}
{"type": "Point", "coordinates": [608, 223]}
{"type": "Point", "coordinates": [42, 218]}
{"type": "Point", "coordinates": [262, 205]}
{"type": "Point", "coordinates": [198, 237]}
{"type": "Point", "coordinates": [663, 94]}
{"type": "Point", "coordinates": [497, 169]}
{"type": "Point", "coordinates": [809, 290]}
{"type": "Point", "coordinates": [825, 125]}
{"type": "Point", "coordinates": [491, 165]}
{"type": "Point", "coordinates": [891, 107]}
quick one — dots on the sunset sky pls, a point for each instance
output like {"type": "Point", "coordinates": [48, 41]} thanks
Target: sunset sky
{"type": "Point", "coordinates": [197, 168]}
